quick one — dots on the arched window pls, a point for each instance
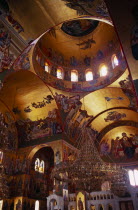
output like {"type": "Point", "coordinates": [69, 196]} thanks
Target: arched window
{"type": "Point", "coordinates": [59, 73]}
{"type": "Point", "coordinates": [74, 76]}
{"type": "Point", "coordinates": [37, 205]}
{"type": "Point", "coordinates": [103, 70]}
{"type": "Point", "coordinates": [115, 61]}
{"type": "Point", "coordinates": [46, 67]}
{"type": "Point", "coordinates": [133, 177]}
{"type": "Point", "coordinates": [89, 75]}
{"type": "Point", "coordinates": [42, 167]}
{"type": "Point", "coordinates": [37, 164]}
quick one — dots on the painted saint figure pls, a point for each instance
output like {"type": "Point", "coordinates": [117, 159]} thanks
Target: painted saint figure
{"type": "Point", "coordinates": [104, 147]}
{"type": "Point", "coordinates": [128, 147]}
{"type": "Point", "coordinates": [80, 204]}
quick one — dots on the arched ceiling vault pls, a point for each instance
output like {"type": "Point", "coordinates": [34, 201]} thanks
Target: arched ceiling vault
{"type": "Point", "coordinates": [96, 102]}
{"type": "Point", "coordinates": [26, 88]}
{"type": "Point", "coordinates": [113, 115]}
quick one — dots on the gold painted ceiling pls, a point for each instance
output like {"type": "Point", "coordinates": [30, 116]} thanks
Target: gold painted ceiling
{"type": "Point", "coordinates": [30, 13]}
{"type": "Point", "coordinates": [67, 45]}
{"type": "Point", "coordinates": [23, 87]}
{"type": "Point", "coordinates": [26, 88]}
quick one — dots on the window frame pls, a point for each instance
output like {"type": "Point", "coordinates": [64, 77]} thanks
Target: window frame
{"type": "Point", "coordinates": [87, 71]}
{"type": "Point", "coordinates": [132, 177]}
{"type": "Point", "coordinates": [113, 62]}
{"type": "Point", "coordinates": [62, 76]}
{"type": "Point", "coordinates": [77, 75]}
{"type": "Point", "coordinates": [46, 64]}
{"type": "Point", "coordinates": [100, 70]}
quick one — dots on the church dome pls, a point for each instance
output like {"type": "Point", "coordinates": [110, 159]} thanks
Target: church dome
{"type": "Point", "coordinates": [79, 55]}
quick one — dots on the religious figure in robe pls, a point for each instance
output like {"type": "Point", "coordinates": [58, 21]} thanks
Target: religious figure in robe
{"type": "Point", "coordinates": [80, 204]}
{"type": "Point", "coordinates": [128, 146]}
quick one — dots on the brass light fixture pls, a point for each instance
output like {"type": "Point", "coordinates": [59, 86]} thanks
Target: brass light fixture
{"type": "Point", "coordinates": [89, 171]}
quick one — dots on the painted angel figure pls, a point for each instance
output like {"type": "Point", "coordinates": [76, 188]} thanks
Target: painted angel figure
{"type": "Point", "coordinates": [86, 44]}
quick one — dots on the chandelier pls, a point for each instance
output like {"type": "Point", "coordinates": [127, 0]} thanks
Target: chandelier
{"type": "Point", "coordinates": [89, 171]}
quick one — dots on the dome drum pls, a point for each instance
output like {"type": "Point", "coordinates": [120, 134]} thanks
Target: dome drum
{"type": "Point", "coordinates": [80, 85]}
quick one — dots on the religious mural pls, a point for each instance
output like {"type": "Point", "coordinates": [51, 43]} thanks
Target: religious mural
{"type": "Point", "coordinates": [80, 27]}
{"type": "Point", "coordinates": [31, 132]}
{"type": "Point", "coordinates": [128, 90]}
{"type": "Point", "coordinates": [114, 116]}
{"type": "Point", "coordinates": [35, 185]}
{"type": "Point", "coordinates": [69, 154]}
{"type": "Point", "coordinates": [53, 57]}
{"type": "Point", "coordinates": [86, 7]}
{"type": "Point", "coordinates": [46, 100]}
{"type": "Point", "coordinates": [37, 105]}
{"type": "Point", "coordinates": [53, 60]}
{"type": "Point", "coordinates": [120, 149]}
{"type": "Point", "coordinates": [86, 44]}
{"type": "Point", "coordinates": [75, 119]}
{"type": "Point", "coordinates": [6, 58]}
{"type": "Point", "coordinates": [23, 62]}
{"type": "Point", "coordinates": [57, 157]}
{"type": "Point", "coordinates": [8, 134]}
{"type": "Point", "coordinates": [81, 205]}
{"type": "Point", "coordinates": [14, 167]}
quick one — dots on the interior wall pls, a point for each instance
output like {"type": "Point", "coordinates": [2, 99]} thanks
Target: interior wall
{"type": "Point", "coordinates": [124, 21]}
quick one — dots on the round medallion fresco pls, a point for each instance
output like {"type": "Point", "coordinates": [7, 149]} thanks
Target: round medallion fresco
{"type": "Point", "coordinates": [79, 27]}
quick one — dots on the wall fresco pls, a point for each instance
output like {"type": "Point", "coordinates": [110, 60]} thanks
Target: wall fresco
{"type": "Point", "coordinates": [114, 116]}
{"type": "Point", "coordinates": [35, 131]}
{"type": "Point", "coordinates": [6, 58]}
{"type": "Point", "coordinates": [23, 61]}
{"type": "Point", "coordinates": [80, 27]}
{"type": "Point", "coordinates": [120, 149]}
{"type": "Point", "coordinates": [8, 135]}
{"type": "Point", "coordinates": [128, 90]}
{"type": "Point", "coordinates": [87, 7]}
